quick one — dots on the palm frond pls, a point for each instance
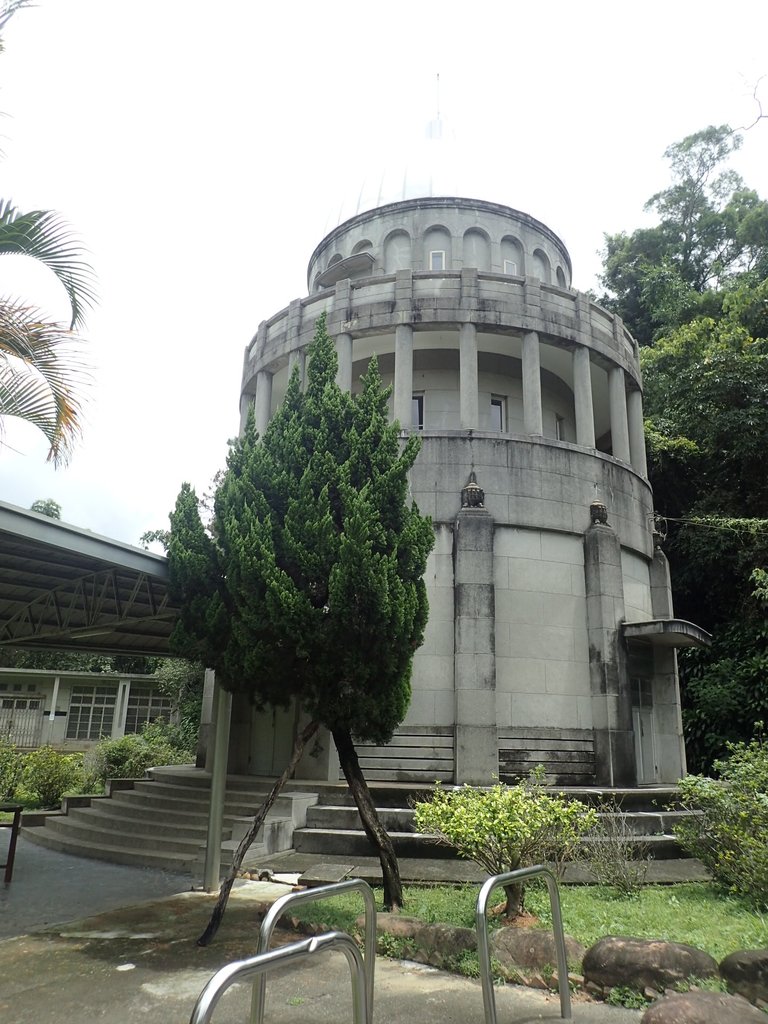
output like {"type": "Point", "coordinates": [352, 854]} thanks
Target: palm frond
{"type": "Point", "coordinates": [43, 235]}
{"type": "Point", "coordinates": [42, 376]}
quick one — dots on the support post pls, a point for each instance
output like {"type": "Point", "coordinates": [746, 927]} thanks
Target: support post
{"type": "Point", "coordinates": [222, 716]}
{"type": "Point", "coordinates": [582, 397]}
{"type": "Point", "coordinates": [403, 375]}
{"type": "Point", "coordinates": [618, 407]}
{"type": "Point", "coordinates": [468, 397]}
{"type": "Point", "coordinates": [532, 415]}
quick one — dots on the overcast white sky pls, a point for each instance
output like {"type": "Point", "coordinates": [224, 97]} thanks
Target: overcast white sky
{"type": "Point", "coordinates": [202, 150]}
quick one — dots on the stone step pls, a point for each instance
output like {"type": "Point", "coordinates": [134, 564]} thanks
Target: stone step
{"type": "Point", "coordinates": [353, 843]}
{"type": "Point", "coordinates": [116, 832]}
{"type": "Point", "coordinates": [43, 835]}
{"type": "Point", "coordinates": [107, 819]}
{"type": "Point", "coordinates": [397, 819]}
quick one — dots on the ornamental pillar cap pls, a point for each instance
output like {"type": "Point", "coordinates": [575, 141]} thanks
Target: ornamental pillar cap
{"type": "Point", "coordinates": [472, 494]}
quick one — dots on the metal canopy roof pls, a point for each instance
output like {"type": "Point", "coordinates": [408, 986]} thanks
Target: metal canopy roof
{"type": "Point", "coordinates": [64, 588]}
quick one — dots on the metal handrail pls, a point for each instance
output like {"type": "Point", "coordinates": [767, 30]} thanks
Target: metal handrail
{"type": "Point", "coordinates": [279, 907]}
{"type": "Point", "coordinates": [257, 967]}
{"type": "Point", "coordinates": [483, 950]}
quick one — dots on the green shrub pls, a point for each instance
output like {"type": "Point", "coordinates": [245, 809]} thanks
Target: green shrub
{"type": "Point", "coordinates": [48, 775]}
{"type": "Point", "coordinates": [11, 767]}
{"type": "Point", "coordinates": [505, 827]}
{"type": "Point", "coordinates": [131, 756]}
{"type": "Point", "coordinates": [729, 832]}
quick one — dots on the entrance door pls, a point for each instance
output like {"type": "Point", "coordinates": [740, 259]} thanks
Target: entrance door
{"type": "Point", "coordinates": [272, 733]}
{"type": "Point", "coordinates": [645, 746]}
{"type": "Point", "coordinates": [21, 720]}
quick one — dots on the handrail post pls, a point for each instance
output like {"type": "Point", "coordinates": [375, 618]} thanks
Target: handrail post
{"type": "Point", "coordinates": [483, 947]}
{"type": "Point", "coordinates": [258, 966]}
{"type": "Point", "coordinates": [291, 899]}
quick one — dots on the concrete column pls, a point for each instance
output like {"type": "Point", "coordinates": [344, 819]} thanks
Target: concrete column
{"type": "Point", "coordinates": [611, 696]}
{"type": "Point", "coordinates": [582, 397]}
{"type": "Point", "coordinates": [344, 356]}
{"type": "Point", "coordinates": [618, 406]}
{"type": "Point", "coordinates": [668, 721]}
{"type": "Point", "coordinates": [477, 756]}
{"type": "Point", "coordinates": [222, 716]}
{"type": "Point", "coordinates": [468, 395]}
{"type": "Point", "coordinates": [403, 375]}
{"type": "Point", "coordinates": [636, 432]}
{"type": "Point", "coordinates": [263, 402]}
{"type": "Point", "coordinates": [206, 723]}
{"type": "Point", "coordinates": [532, 418]}
{"type": "Point", "coordinates": [298, 357]}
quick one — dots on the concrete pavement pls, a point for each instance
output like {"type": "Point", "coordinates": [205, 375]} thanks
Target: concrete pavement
{"type": "Point", "coordinates": [112, 956]}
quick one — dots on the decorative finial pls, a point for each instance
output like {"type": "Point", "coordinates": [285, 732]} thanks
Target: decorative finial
{"type": "Point", "coordinates": [598, 513]}
{"type": "Point", "coordinates": [472, 495]}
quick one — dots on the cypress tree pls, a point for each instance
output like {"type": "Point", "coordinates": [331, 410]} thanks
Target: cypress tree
{"type": "Point", "coordinates": [309, 584]}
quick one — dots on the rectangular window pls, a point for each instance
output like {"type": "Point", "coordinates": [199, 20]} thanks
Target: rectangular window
{"type": "Point", "coordinates": [437, 259]}
{"type": "Point", "coordinates": [559, 427]}
{"type": "Point", "coordinates": [417, 411]}
{"type": "Point", "coordinates": [510, 267]}
{"type": "Point", "coordinates": [91, 712]}
{"type": "Point", "coordinates": [145, 705]}
{"type": "Point", "coordinates": [498, 413]}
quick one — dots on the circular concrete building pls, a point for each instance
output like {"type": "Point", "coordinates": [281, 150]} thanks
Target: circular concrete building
{"type": "Point", "coordinates": [551, 638]}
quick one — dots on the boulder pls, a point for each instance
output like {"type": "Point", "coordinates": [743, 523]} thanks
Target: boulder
{"type": "Point", "coordinates": [746, 972]}
{"type": "Point", "coordinates": [439, 944]}
{"type": "Point", "coordinates": [532, 948]}
{"type": "Point", "coordinates": [702, 1008]}
{"type": "Point", "coordinates": [398, 925]}
{"type": "Point", "coordinates": [644, 963]}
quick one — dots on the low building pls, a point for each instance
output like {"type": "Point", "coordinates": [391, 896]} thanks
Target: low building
{"type": "Point", "coordinates": [73, 710]}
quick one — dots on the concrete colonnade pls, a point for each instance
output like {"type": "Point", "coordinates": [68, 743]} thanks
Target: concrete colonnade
{"type": "Point", "coordinates": [625, 405]}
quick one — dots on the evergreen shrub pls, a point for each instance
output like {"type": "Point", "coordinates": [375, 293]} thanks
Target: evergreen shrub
{"type": "Point", "coordinates": [729, 832]}
{"type": "Point", "coordinates": [47, 775]}
{"type": "Point", "coordinates": [130, 756]}
{"type": "Point", "coordinates": [11, 767]}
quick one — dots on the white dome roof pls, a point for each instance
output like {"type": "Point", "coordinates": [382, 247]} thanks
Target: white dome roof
{"type": "Point", "coordinates": [432, 165]}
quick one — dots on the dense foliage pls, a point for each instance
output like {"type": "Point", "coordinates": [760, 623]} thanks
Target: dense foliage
{"type": "Point", "coordinates": [47, 775]}
{"type": "Point", "coordinates": [729, 833]}
{"type": "Point", "coordinates": [694, 290]}
{"type": "Point", "coordinates": [130, 756]}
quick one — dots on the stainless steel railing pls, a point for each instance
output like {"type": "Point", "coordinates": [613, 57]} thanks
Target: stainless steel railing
{"type": "Point", "coordinates": [483, 949]}
{"type": "Point", "coordinates": [255, 968]}
{"type": "Point", "coordinates": [322, 892]}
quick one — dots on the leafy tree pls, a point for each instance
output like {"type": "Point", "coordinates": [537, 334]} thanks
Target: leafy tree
{"type": "Point", "coordinates": [505, 827]}
{"type": "Point", "coordinates": [41, 369]}
{"type": "Point", "coordinates": [46, 507]}
{"type": "Point", "coordinates": [309, 585]}
{"type": "Point", "coordinates": [711, 229]}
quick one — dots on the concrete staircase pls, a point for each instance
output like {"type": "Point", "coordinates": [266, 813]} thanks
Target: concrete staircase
{"type": "Point", "coordinates": [333, 826]}
{"type": "Point", "coordinates": [162, 821]}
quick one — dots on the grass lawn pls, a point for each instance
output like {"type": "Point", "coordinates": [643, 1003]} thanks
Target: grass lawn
{"type": "Point", "coordinates": [696, 913]}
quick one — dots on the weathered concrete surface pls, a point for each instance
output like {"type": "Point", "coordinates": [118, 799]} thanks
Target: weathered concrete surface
{"type": "Point", "coordinates": [141, 964]}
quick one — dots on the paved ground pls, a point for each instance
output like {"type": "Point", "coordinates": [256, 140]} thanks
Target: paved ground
{"type": "Point", "coordinates": [88, 941]}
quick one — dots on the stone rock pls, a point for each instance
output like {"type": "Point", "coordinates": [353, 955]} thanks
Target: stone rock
{"type": "Point", "coordinates": [702, 1008]}
{"type": "Point", "coordinates": [531, 947]}
{"type": "Point", "coordinates": [397, 925]}
{"type": "Point", "coordinates": [746, 972]}
{"type": "Point", "coordinates": [645, 963]}
{"type": "Point", "coordinates": [446, 940]}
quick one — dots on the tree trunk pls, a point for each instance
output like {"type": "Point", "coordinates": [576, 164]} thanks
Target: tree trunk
{"type": "Point", "coordinates": [226, 887]}
{"type": "Point", "coordinates": [514, 894]}
{"type": "Point", "coordinates": [374, 830]}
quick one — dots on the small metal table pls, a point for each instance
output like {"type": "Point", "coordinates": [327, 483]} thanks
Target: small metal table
{"type": "Point", "coordinates": [14, 826]}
